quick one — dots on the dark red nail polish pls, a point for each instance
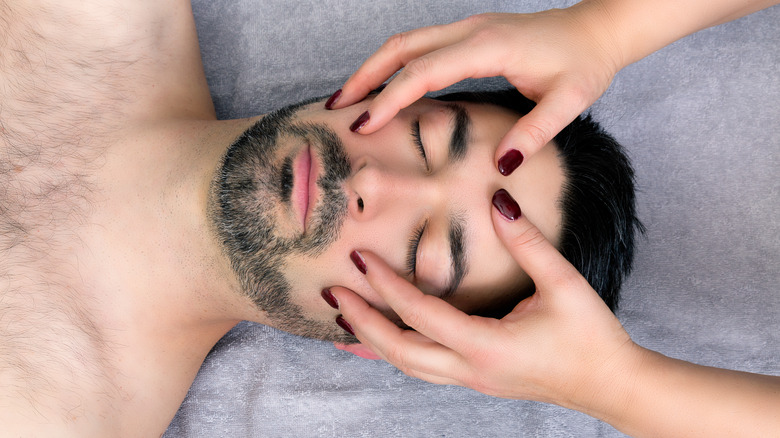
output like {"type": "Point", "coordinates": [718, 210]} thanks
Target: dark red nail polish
{"type": "Point", "coordinates": [360, 122]}
{"type": "Point", "coordinates": [505, 205]}
{"type": "Point", "coordinates": [510, 161]}
{"type": "Point", "coordinates": [329, 298]}
{"type": "Point", "coordinates": [345, 325]}
{"type": "Point", "coordinates": [358, 260]}
{"type": "Point", "coordinates": [333, 99]}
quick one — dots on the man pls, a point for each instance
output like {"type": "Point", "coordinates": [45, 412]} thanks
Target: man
{"type": "Point", "coordinates": [137, 229]}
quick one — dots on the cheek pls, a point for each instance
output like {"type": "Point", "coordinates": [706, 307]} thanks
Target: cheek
{"type": "Point", "coordinates": [308, 275]}
{"type": "Point", "coordinates": [478, 296]}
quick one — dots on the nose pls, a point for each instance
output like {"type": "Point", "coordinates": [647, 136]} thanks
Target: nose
{"type": "Point", "coordinates": [376, 190]}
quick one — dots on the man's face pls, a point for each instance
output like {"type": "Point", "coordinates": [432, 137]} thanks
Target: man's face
{"type": "Point", "coordinates": [417, 193]}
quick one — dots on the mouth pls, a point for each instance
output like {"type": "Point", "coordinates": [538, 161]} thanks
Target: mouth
{"type": "Point", "coordinates": [304, 192]}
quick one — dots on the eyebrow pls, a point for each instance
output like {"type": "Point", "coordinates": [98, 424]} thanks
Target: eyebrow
{"type": "Point", "coordinates": [457, 151]}
{"type": "Point", "coordinates": [457, 253]}
{"type": "Point", "coordinates": [460, 133]}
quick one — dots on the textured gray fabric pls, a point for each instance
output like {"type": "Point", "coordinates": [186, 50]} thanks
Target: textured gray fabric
{"type": "Point", "coordinates": [701, 121]}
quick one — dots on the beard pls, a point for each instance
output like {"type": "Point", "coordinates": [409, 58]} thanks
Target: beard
{"type": "Point", "coordinates": [252, 186]}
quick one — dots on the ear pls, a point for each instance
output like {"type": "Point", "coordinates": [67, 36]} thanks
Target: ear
{"type": "Point", "coordinates": [358, 349]}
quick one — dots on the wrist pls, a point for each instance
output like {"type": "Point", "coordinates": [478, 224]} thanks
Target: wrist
{"type": "Point", "coordinates": [598, 24]}
{"type": "Point", "coordinates": [633, 29]}
{"type": "Point", "coordinates": [611, 386]}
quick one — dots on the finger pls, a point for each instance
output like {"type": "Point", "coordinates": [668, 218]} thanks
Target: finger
{"type": "Point", "coordinates": [393, 55]}
{"type": "Point", "coordinates": [431, 72]}
{"type": "Point", "coordinates": [438, 380]}
{"type": "Point", "coordinates": [363, 351]}
{"type": "Point", "coordinates": [537, 128]}
{"type": "Point", "coordinates": [409, 351]}
{"type": "Point", "coordinates": [358, 350]}
{"type": "Point", "coordinates": [532, 251]}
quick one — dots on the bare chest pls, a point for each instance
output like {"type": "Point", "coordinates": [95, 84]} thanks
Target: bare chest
{"type": "Point", "coordinates": [62, 105]}
{"type": "Point", "coordinates": [77, 79]}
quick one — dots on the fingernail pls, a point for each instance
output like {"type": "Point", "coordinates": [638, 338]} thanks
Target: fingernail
{"type": "Point", "coordinates": [345, 325]}
{"type": "Point", "coordinates": [333, 99]}
{"type": "Point", "coordinates": [509, 162]}
{"type": "Point", "coordinates": [359, 261]}
{"type": "Point", "coordinates": [360, 122]}
{"type": "Point", "coordinates": [329, 298]}
{"type": "Point", "coordinates": [505, 205]}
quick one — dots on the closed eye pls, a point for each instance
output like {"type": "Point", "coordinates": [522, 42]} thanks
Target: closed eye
{"type": "Point", "coordinates": [411, 255]}
{"type": "Point", "coordinates": [418, 142]}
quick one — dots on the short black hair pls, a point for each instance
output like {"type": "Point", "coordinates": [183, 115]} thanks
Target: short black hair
{"type": "Point", "coordinates": [598, 203]}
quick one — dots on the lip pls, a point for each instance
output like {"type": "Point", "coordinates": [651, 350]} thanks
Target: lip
{"type": "Point", "coordinates": [304, 193]}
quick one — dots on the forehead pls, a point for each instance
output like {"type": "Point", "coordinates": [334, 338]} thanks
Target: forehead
{"type": "Point", "coordinates": [537, 185]}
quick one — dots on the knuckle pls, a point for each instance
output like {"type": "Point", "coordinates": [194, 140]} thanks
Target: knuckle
{"type": "Point", "coordinates": [477, 20]}
{"type": "Point", "coordinates": [562, 278]}
{"type": "Point", "coordinates": [539, 133]}
{"type": "Point", "coordinates": [361, 76]}
{"type": "Point", "coordinates": [418, 68]}
{"type": "Point", "coordinates": [492, 27]}
{"type": "Point", "coordinates": [415, 319]}
{"type": "Point", "coordinates": [397, 42]}
{"type": "Point", "coordinates": [530, 239]}
{"type": "Point", "coordinates": [579, 94]}
{"type": "Point", "coordinates": [570, 278]}
{"type": "Point", "coordinates": [486, 35]}
{"type": "Point", "coordinates": [413, 373]}
{"type": "Point", "coordinates": [473, 381]}
{"type": "Point", "coordinates": [486, 18]}
{"type": "Point", "coordinates": [479, 381]}
{"type": "Point", "coordinates": [396, 354]}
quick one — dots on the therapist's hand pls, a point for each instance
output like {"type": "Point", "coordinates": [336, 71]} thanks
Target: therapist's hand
{"type": "Point", "coordinates": [561, 345]}
{"type": "Point", "coordinates": [562, 59]}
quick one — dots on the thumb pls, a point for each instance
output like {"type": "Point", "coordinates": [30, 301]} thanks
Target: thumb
{"type": "Point", "coordinates": [530, 249]}
{"type": "Point", "coordinates": [534, 130]}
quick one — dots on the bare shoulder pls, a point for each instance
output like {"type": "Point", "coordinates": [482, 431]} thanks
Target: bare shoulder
{"type": "Point", "coordinates": [139, 58]}
{"type": "Point", "coordinates": [77, 77]}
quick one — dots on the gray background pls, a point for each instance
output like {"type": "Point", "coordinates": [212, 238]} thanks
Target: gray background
{"type": "Point", "coordinates": [700, 119]}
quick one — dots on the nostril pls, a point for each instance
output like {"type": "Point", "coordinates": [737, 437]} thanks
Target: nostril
{"type": "Point", "coordinates": [360, 204]}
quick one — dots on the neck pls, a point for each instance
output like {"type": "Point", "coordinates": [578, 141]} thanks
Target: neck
{"type": "Point", "coordinates": [205, 272]}
{"type": "Point", "coordinates": [188, 296]}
